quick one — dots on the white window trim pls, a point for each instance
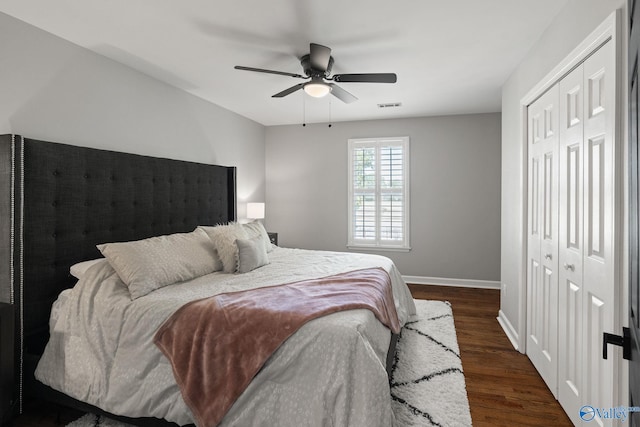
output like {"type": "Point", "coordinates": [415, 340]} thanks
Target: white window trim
{"type": "Point", "coordinates": [403, 246]}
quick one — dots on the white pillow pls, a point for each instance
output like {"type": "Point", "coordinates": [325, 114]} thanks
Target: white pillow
{"type": "Point", "coordinates": [251, 254]}
{"type": "Point", "coordinates": [224, 240]}
{"type": "Point", "coordinates": [150, 264]}
{"type": "Point", "coordinates": [78, 270]}
{"type": "Point", "coordinates": [256, 228]}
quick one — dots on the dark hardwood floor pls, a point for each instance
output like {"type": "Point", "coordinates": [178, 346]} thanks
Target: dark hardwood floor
{"type": "Point", "coordinates": [504, 388]}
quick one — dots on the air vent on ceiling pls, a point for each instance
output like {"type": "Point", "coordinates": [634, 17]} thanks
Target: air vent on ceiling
{"type": "Point", "coordinates": [390, 105]}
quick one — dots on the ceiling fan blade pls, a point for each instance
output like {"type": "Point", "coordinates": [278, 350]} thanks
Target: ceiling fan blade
{"type": "Point", "coordinates": [365, 78]}
{"type": "Point", "coordinates": [288, 91]}
{"type": "Point", "coordinates": [342, 94]}
{"type": "Point", "coordinates": [261, 70]}
{"type": "Point", "coordinates": [319, 56]}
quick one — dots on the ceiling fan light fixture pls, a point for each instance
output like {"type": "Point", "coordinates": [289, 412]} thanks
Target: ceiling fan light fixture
{"type": "Point", "coordinates": [317, 88]}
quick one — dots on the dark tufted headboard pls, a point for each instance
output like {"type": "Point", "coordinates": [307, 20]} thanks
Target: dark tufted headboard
{"type": "Point", "coordinates": [66, 199]}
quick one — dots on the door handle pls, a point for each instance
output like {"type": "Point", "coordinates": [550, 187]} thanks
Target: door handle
{"type": "Point", "coordinates": [569, 267]}
{"type": "Point", "coordinates": [548, 256]}
{"type": "Point", "coordinates": [623, 341]}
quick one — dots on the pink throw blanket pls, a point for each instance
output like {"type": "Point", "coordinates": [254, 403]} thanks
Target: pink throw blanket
{"type": "Point", "coordinates": [217, 345]}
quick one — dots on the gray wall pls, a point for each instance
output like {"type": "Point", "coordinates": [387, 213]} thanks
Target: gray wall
{"type": "Point", "coordinates": [53, 90]}
{"type": "Point", "coordinates": [572, 25]}
{"type": "Point", "coordinates": [56, 91]}
{"type": "Point", "coordinates": [455, 190]}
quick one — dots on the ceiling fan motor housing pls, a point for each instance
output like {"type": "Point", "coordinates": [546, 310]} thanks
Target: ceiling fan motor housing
{"type": "Point", "coordinates": [305, 61]}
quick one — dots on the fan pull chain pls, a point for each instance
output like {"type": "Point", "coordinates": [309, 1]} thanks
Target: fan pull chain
{"type": "Point", "coordinates": [304, 111]}
{"type": "Point", "coordinates": [329, 112]}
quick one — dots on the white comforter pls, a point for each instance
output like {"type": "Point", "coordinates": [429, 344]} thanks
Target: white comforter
{"type": "Point", "coordinates": [330, 373]}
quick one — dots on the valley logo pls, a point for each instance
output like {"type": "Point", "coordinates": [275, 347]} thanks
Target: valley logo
{"type": "Point", "coordinates": [589, 413]}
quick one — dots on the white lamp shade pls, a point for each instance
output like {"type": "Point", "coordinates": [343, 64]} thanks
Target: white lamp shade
{"type": "Point", "coordinates": [255, 210]}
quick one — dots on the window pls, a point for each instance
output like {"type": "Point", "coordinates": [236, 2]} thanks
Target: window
{"type": "Point", "coordinates": [379, 193]}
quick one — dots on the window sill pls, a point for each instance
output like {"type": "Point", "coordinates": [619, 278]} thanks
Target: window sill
{"type": "Point", "coordinates": [380, 248]}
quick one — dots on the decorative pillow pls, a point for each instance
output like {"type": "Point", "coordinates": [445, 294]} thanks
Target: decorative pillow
{"type": "Point", "coordinates": [77, 270]}
{"type": "Point", "coordinates": [150, 264]}
{"type": "Point", "coordinates": [224, 240]}
{"type": "Point", "coordinates": [256, 228]}
{"type": "Point", "coordinates": [251, 254]}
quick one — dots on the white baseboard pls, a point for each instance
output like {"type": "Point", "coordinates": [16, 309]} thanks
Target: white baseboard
{"type": "Point", "coordinates": [443, 281]}
{"type": "Point", "coordinates": [509, 330]}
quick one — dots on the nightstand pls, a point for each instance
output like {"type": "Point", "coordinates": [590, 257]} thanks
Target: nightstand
{"type": "Point", "coordinates": [6, 362]}
{"type": "Point", "coordinates": [274, 238]}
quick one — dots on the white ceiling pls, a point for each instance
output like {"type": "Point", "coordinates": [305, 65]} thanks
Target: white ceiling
{"type": "Point", "coordinates": [451, 57]}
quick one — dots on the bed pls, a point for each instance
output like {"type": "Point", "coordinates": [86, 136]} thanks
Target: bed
{"type": "Point", "coordinates": [67, 199]}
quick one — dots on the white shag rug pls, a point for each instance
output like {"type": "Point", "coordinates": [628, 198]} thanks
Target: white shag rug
{"type": "Point", "coordinates": [427, 383]}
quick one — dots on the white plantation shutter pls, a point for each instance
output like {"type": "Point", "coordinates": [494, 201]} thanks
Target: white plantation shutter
{"type": "Point", "coordinates": [378, 193]}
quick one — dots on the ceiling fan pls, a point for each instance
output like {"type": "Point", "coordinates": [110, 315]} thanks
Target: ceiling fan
{"type": "Point", "coordinates": [317, 67]}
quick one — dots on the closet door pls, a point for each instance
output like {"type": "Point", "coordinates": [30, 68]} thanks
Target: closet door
{"type": "Point", "coordinates": [600, 220]}
{"type": "Point", "coordinates": [587, 235]}
{"type": "Point", "coordinates": [570, 283]}
{"type": "Point", "coordinates": [542, 254]}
